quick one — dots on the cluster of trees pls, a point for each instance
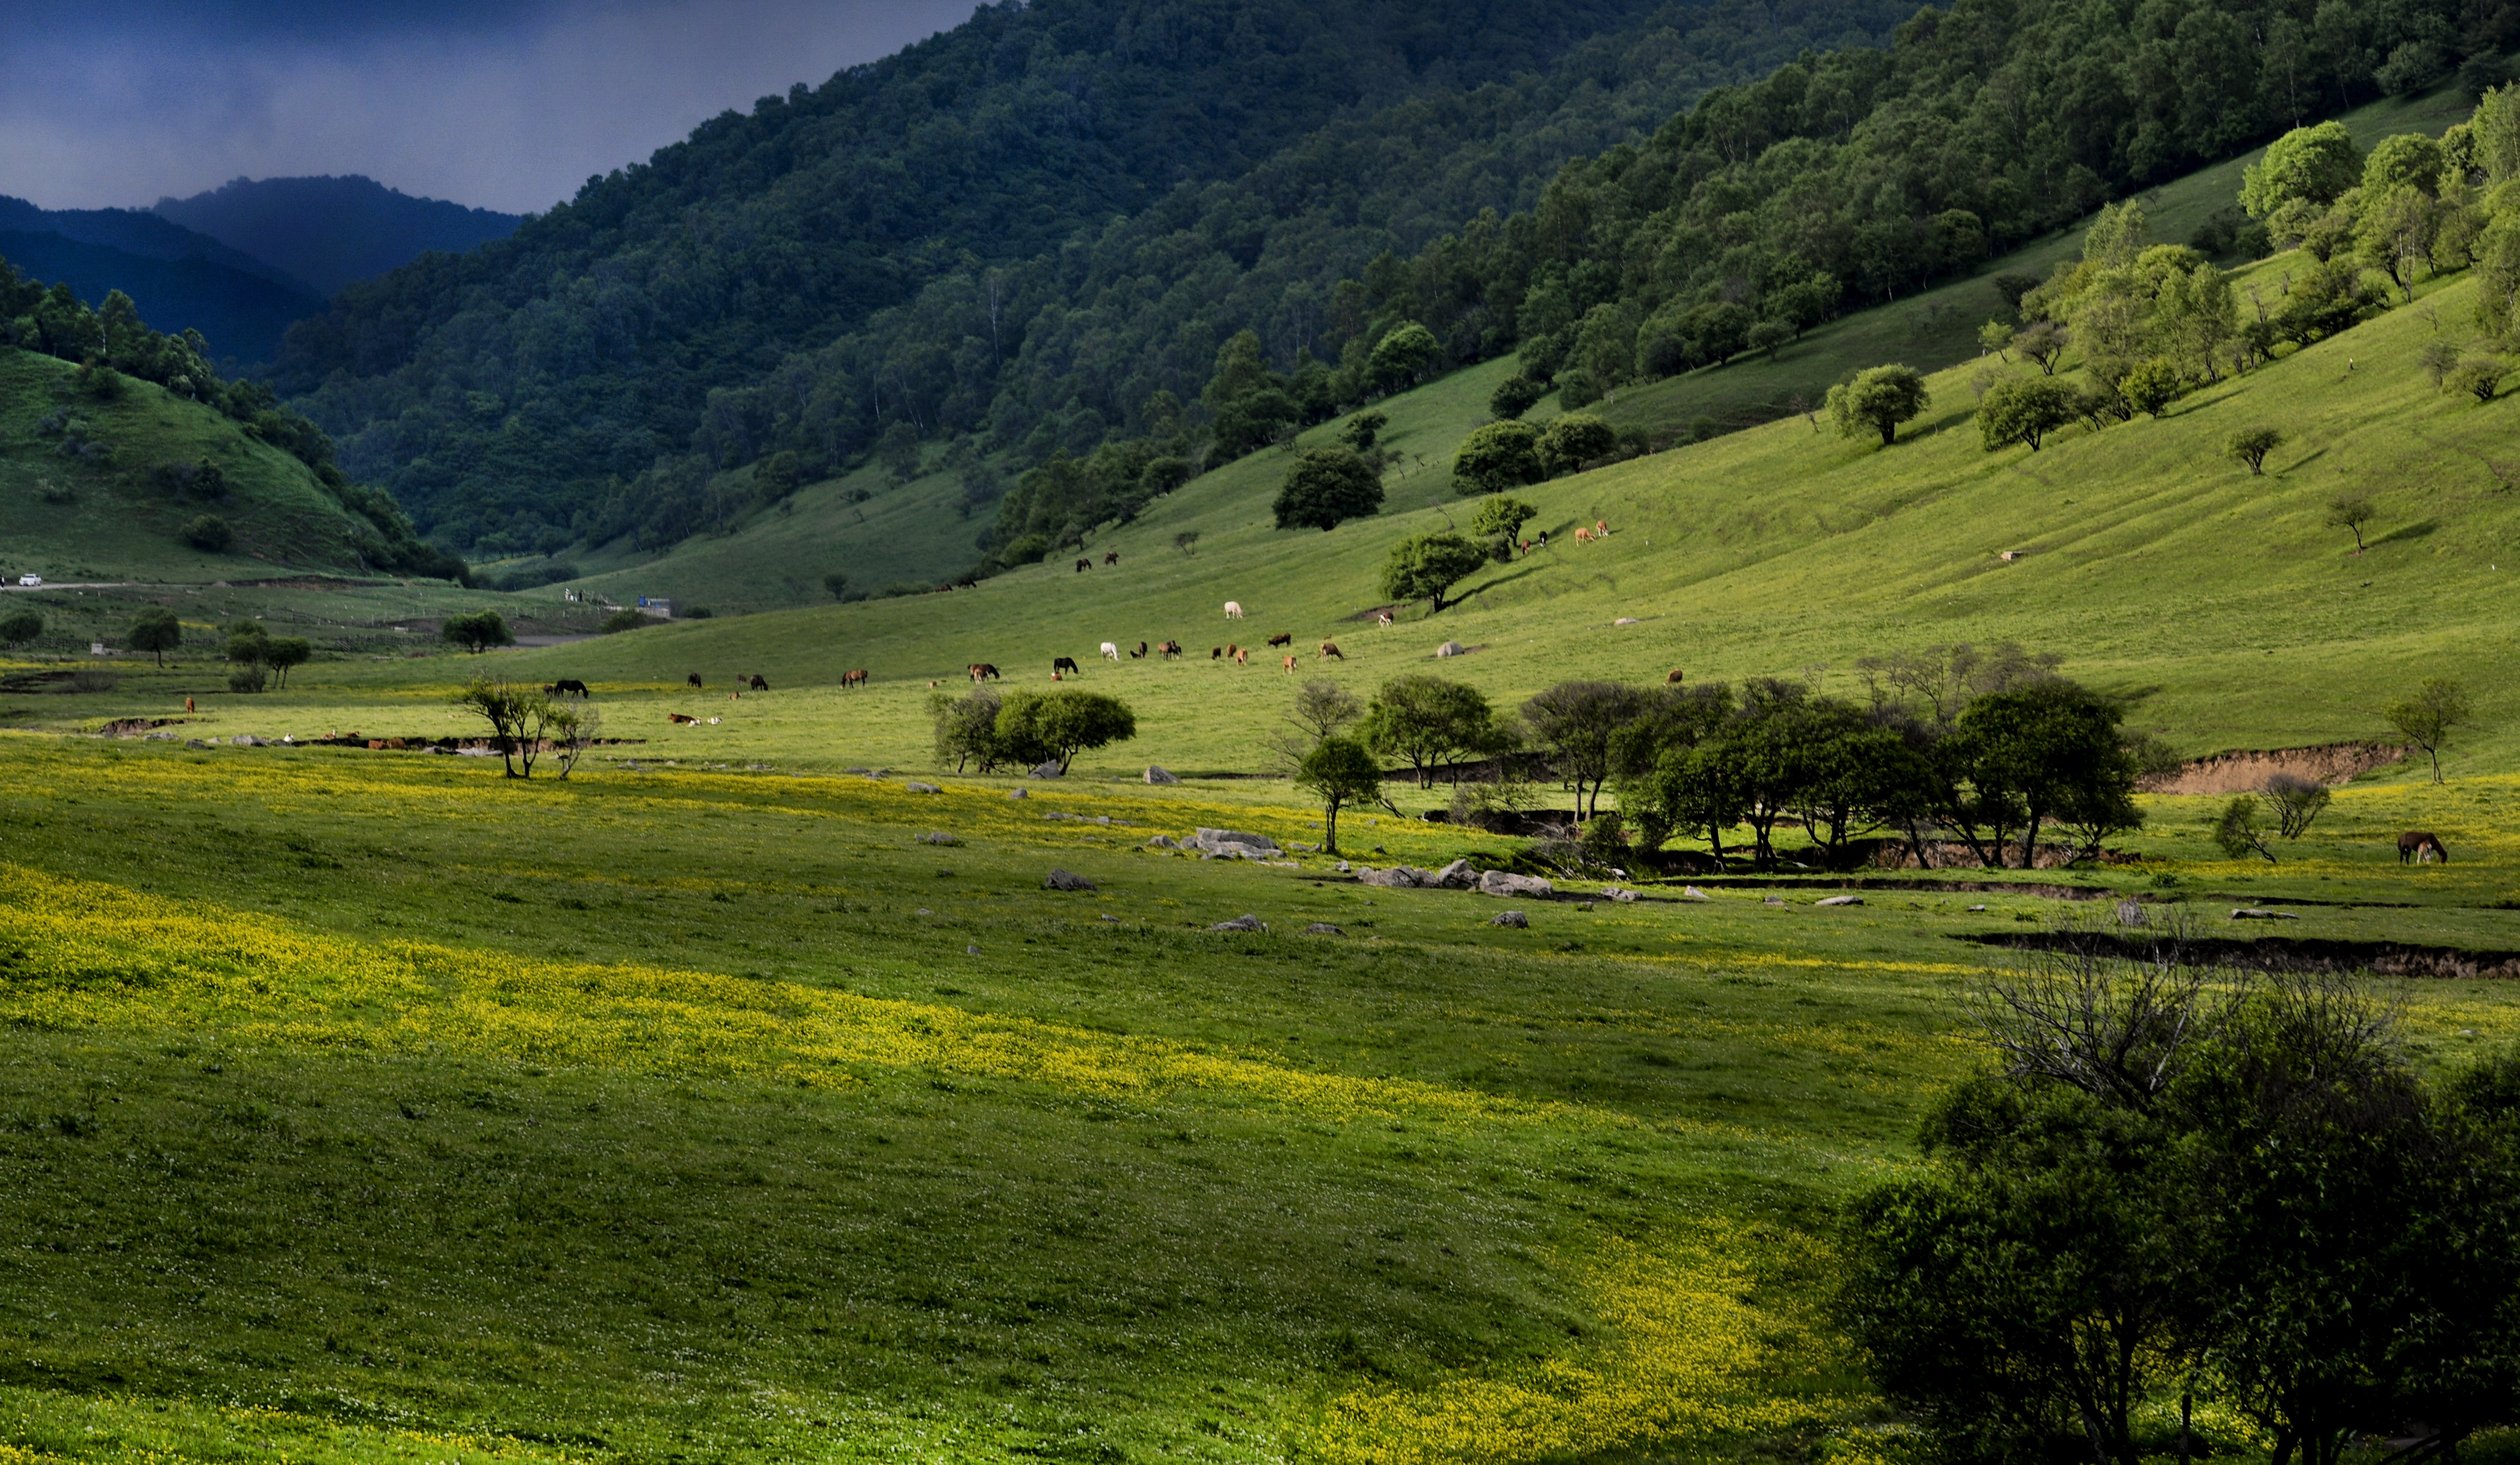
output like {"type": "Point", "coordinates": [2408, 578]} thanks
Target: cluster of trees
{"type": "Point", "coordinates": [262, 659]}
{"type": "Point", "coordinates": [478, 631]}
{"type": "Point", "coordinates": [1026, 729]}
{"type": "Point", "coordinates": [2180, 1184]}
{"type": "Point", "coordinates": [112, 344]}
{"type": "Point", "coordinates": [20, 626]}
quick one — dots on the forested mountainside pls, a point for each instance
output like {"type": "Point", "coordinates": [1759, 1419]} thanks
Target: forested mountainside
{"type": "Point", "coordinates": [241, 315]}
{"type": "Point", "coordinates": [509, 396]}
{"type": "Point", "coordinates": [330, 231]}
{"type": "Point", "coordinates": [993, 264]}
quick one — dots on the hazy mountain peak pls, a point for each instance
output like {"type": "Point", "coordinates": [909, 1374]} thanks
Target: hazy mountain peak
{"type": "Point", "coordinates": [330, 231]}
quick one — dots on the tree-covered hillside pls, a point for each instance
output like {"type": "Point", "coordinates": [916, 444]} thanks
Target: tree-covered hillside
{"type": "Point", "coordinates": [507, 396]}
{"type": "Point", "coordinates": [331, 230]}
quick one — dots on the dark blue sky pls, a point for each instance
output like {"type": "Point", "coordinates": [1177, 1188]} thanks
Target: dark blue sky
{"type": "Point", "coordinates": [502, 106]}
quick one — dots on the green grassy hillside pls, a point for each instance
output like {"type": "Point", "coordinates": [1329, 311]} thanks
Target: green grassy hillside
{"type": "Point", "coordinates": [103, 515]}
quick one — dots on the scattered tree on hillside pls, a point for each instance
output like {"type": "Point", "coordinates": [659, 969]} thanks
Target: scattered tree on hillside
{"type": "Point", "coordinates": [1878, 400]}
{"type": "Point", "coordinates": [209, 534]}
{"type": "Point", "coordinates": [1498, 457]}
{"type": "Point", "coordinates": [1499, 522]}
{"type": "Point", "coordinates": [967, 729]}
{"type": "Point", "coordinates": [480, 630]}
{"type": "Point", "coordinates": [1994, 339]}
{"type": "Point", "coordinates": [1574, 440]}
{"type": "Point", "coordinates": [835, 585]}
{"type": "Point", "coordinates": [2307, 165]}
{"type": "Point", "coordinates": [1361, 429]}
{"type": "Point", "coordinates": [1405, 356]}
{"type": "Point", "coordinates": [286, 654]}
{"type": "Point", "coordinates": [2025, 410]}
{"type": "Point", "coordinates": [1515, 395]}
{"type": "Point", "coordinates": [1040, 727]}
{"type": "Point", "coordinates": [2427, 717]}
{"type": "Point", "coordinates": [156, 631]}
{"type": "Point", "coordinates": [1186, 542]}
{"type": "Point", "coordinates": [1427, 565]}
{"type": "Point", "coordinates": [1339, 772]}
{"type": "Point", "coordinates": [2044, 342]}
{"type": "Point", "coordinates": [1327, 486]}
{"type": "Point", "coordinates": [1578, 722]}
{"type": "Point", "coordinates": [2436, 359]}
{"type": "Point", "coordinates": [2240, 829]}
{"type": "Point", "coordinates": [2251, 445]}
{"type": "Point", "coordinates": [628, 618]}
{"type": "Point", "coordinates": [2152, 385]}
{"type": "Point", "coordinates": [2351, 511]}
{"type": "Point", "coordinates": [2480, 377]}
{"type": "Point", "coordinates": [2297, 802]}
{"type": "Point", "coordinates": [1427, 721]}
{"type": "Point", "coordinates": [20, 626]}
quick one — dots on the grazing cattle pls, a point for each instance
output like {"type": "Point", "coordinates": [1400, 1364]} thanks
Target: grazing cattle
{"type": "Point", "coordinates": [1583, 536]}
{"type": "Point", "coordinates": [759, 683]}
{"type": "Point", "coordinates": [1169, 649]}
{"type": "Point", "coordinates": [1110, 651]}
{"type": "Point", "coordinates": [1290, 665]}
{"type": "Point", "coordinates": [735, 697]}
{"type": "Point", "coordinates": [1674, 678]}
{"type": "Point", "coordinates": [1330, 649]}
{"type": "Point", "coordinates": [1542, 541]}
{"type": "Point", "coordinates": [187, 704]}
{"type": "Point", "coordinates": [1233, 610]}
{"type": "Point", "coordinates": [1241, 657]}
{"type": "Point", "coordinates": [1083, 565]}
{"type": "Point", "coordinates": [931, 686]}
{"type": "Point", "coordinates": [982, 671]}
{"type": "Point", "coordinates": [1111, 556]}
{"type": "Point", "coordinates": [694, 679]}
{"type": "Point", "coordinates": [2420, 847]}
{"type": "Point", "coordinates": [566, 686]}
{"type": "Point", "coordinates": [1065, 664]}
{"type": "Point", "coordinates": [680, 717]}
{"type": "Point", "coordinates": [1383, 617]}
{"type": "Point", "coordinates": [1057, 675]}
{"type": "Point", "coordinates": [1216, 653]}
{"type": "Point", "coordinates": [1526, 547]}
{"type": "Point", "coordinates": [856, 678]}
{"type": "Point", "coordinates": [1600, 528]}
{"type": "Point", "coordinates": [1282, 639]}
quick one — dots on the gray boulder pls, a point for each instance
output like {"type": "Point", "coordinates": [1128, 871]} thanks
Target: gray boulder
{"type": "Point", "coordinates": [1243, 922]}
{"type": "Point", "coordinates": [1513, 918]}
{"type": "Point", "coordinates": [195, 742]}
{"type": "Point", "coordinates": [2129, 914]}
{"type": "Point", "coordinates": [1019, 793]}
{"type": "Point", "coordinates": [1452, 648]}
{"type": "Point", "coordinates": [1163, 842]}
{"type": "Point", "coordinates": [1398, 877]}
{"type": "Point", "coordinates": [938, 836]}
{"type": "Point", "coordinates": [1049, 770]}
{"type": "Point", "coordinates": [1060, 879]}
{"type": "Point", "coordinates": [1500, 882]}
{"type": "Point", "coordinates": [1220, 841]}
{"type": "Point", "coordinates": [2254, 913]}
{"type": "Point", "coordinates": [1156, 774]}
{"type": "Point", "coordinates": [1840, 899]}
{"type": "Point", "coordinates": [1456, 875]}
{"type": "Point", "coordinates": [1322, 928]}
{"type": "Point", "coordinates": [1693, 893]}
{"type": "Point", "coordinates": [922, 788]}
{"type": "Point", "coordinates": [1614, 893]}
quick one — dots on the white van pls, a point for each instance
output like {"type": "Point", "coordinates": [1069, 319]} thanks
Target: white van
{"type": "Point", "coordinates": [30, 580]}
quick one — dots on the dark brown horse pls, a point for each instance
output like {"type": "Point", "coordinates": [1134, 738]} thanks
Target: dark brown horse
{"type": "Point", "coordinates": [2420, 847]}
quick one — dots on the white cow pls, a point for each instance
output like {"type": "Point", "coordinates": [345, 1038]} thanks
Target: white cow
{"type": "Point", "coordinates": [1233, 610]}
{"type": "Point", "coordinates": [1110, 651]}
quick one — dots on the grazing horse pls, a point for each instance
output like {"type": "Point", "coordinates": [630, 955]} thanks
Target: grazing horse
{"type": "Point", "coordinates": [1083, 565]}
{"type": "Point", "coordinates": [1241, 656]}
{"type": "Point", "coordinates": [694, 679]}
{"type": "Point", "coordinates": [1583, 536]}
{"type": "Point", "coordinates": [1216, 653]}
{"type": "Point", "coordinates": [1065, 664]}
{"type": "Point", "coordinates": [856, 678]}
{"type": "Point", "coordinates": [1111, 556]}
{"type": "Point", "coordinates": [566, 686]}
{"type": "Point", "coordinates": [2420, 847]}
{"type": "Point", "coordinates": [187, 704]}
{"type": "Point", "coordinates": [1674, 678]}
{"type": "Point", "coordinates": [680, 717]}
{"type": "Point", "coordinates": [1290, 665]}
{"type": "Point", "coordinates": [982, 671]}
{"type": "Point", "coordinates": [1139, 655]}
{"type": "Point", "coordinates": [1169, 649]}
{"type": "Point", "coordinates": [759, 683]}
{"type": "Point", "coordinates": [1110, 651]}
{"type": "Point", "coordinates": [1233, 610]}
{"type": "Point", "coordinates": [1329, 649]}
{"type": "Point", "coordinates": [1282, 639]}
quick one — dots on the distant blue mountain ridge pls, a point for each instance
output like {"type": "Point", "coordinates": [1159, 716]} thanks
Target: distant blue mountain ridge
{"type": "Point", "coordinates": [331, 230]}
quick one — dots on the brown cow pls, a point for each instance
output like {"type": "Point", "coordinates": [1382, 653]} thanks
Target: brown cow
{"type": "Point", "coordinates": [1330, 649]}
{"type": "Point", "coordinates": [1600, 528]}
{"type": "Point", "coordinates": [856, 678]}
{"type": "Point", "coordinates": [1282, 639]}
{"type": "Point", "coordinates": [1583, 536]}
{"type": "Point", "coordinates": [1290, 664]}
{"type": "Point", "coordinates": [1526, 547]}
{"type": "Point", "coordinates": [1111, 556]}
{"type": "Point", "coordinates": [1674, 678]}
{"type": "Point", "coordinates": [694, 679]}
{"type": "Point", "coordinates": [2420, 847]}
{"type": "Point", "coordinates": [982, 671]}
{"type": "Point", "coordinates": [187, 704]}
{"type": "Point", "coordinates": [1240, 657]}
{"type": "Point", "coordinates": [760, 682]}
{"type": "Point", "coordinates": [1064, 664]}
{"type": "Point", "coordinates": [680, 717]}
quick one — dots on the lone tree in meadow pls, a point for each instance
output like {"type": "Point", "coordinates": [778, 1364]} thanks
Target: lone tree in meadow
{"type": "Point", "coordinates": [1427, 565]}
{"type": "Point", "coordinates": [1040, 727]}
{"type": "Point", "coordinates": [521, 720]}
{"type": "Point", "coordinates": [2478, 377]}
{"type": "Point", "coordinates": [1426, 722]}
{"type": "Point", "coordinates": [1339, 772]}
{"type": "Point", "coordinates": [1359, 430]}
{"type": "Point", "coordinates": [156, 632]}
{"type": "Point", "coordinates": [2044, 342]}
{"type": "Point", "coordinates": [2351, 512]}
{"type": "Point", "coordinates": [1330, 485]}
{"type": "Point", "coordinates": [1878, 400]}
{"type": "Point", "coordinates": [20, 626]}
{"type": "Point", "coordinates": [477, 633]}
{"type": "Point", "coordinates": [2428, 719]}
{"type": "Point", "coordinates": [2251, 445]}
{"type": "Point", "coordinates": [2025, 411]}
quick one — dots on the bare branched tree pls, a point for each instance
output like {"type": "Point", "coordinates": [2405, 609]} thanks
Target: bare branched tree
{"type": "Point", "coordinates": [2088, 1011]}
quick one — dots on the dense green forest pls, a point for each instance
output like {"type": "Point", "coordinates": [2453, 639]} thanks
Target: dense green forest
{"type": "Point", "coordinates": [966, 245]}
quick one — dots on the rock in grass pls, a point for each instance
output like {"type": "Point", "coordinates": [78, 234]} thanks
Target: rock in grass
{"type": "Point", "coordinates": [1693, 893]}
{"type": "Point", "coordinates": [2129, 914]}
{"type": "Point", "coordinates": [1452, 648]}
{"type": "Point", "coordinates": [2259, 912]}
{"type": "Point", "coordinates": [1019, 793]}
{"type": "Point", "coordinates": [1049, 770]}
{"type": "Point", "coordinates": [922, 788]}
{"type": "Point", "coordinates": [1108, 915]}
{"type": "Point", "coordinates": [1156, 774]}
{"type": "Point", "coordinates": [1513, 918]}
{"type": "Point", "coordinates": [1243, 922]}
{"type": "Point", "coordinates": [971, 951]}
{"type": "Point", "coordinates": [1500, 882]}
{"type": "Point", "coordinates": [1322, 928]}
{"type": "Point", "coordinates": [1839, 900]}
{"type": "Point", "coordinates": [938, 837]}
{"type": "Point", "coordinates": [1614, 893]}
{"type": "Point", "coordinates": [1060, 879]}
{"type": "Point", "coordinates": [1458, 875]}
{"type": "Point", "coordinates": [1625, 620]}
{"type": "Point", "coordinates": [1398, 877]}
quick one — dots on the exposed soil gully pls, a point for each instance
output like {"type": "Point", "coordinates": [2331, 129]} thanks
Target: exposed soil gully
{"type": "Point", "coordinates": [2388, 958]}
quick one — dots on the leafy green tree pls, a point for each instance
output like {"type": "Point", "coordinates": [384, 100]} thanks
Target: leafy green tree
{"type": "Point", "coordinates": [628, 618]}
{"type": "Point", "coordinates": [248, 644]}
{"type": "Point", "coordinates": [1339, 772]}
{"type": "Point", "coordinates": [1360, 429]}
{"type": "Point", "coordinates": [521, 720]}
{"type": "Point", "coordinates": [209, 534]}
{"type": "Point", "coordinates": [156, 631]}
{"type": "Point", "coordinates": [1574, 440]}
{"type": "Point", "coordinates": [2351, 511]}
{"type": "Point", "coordinates": [20, 626]}
{"type": "Point", "coordinates": [967, 729]}
{"type": "Point", "coordinates": [1427, 721]}
{"type": "Point", "coordinates": [777, 475]}
{"type": "Point", "coordinates": [2043, 342]}
{"type": "Point", "coordinates": [2296, 803]}
{"type": "Point", "coordinates": [1327, 486]}
{"type": "Point", "coordinates": [2427, 717]}
{"type": "Point", "coordinates": [1427, 565]}
{"type": "Point", "coordinates": [2479, 377]}
{"type": "Point", "coordinates": [2308, 165]}
{"type": "Point", "coordinates": [2251, 445]}
{"type": "Point", "coordinates": [899, 452]}
{"type": "Point", "coordinates": [1579, 723]}
{"type": "Point", "coordinates": [2240, 829]}
{"type": "Point", "coordinates": [1502, 516]}
{"type": "Point", "coordinates": [1405, 356]}
{"type": "Point", "coordinates": [1878, 400]}
{"type": "Point", "coordinates": [1038, 726]}
{"type": "Point", "coordinates": [1514, 396]}
{"type": "Point", "coordinates": [2025, 410]}
{"type": "Point", "coordinates": [835, 585]}
{"type": "Point", "coordinates": [1579, 387]}
{"type": "Point", "coordinates": [1498, 457]}
{"type": "Point", "coordinates": [1994, 339]}
{"type": "Point", "coordinates": [286, 654]}
{"type": "Point", "coordinates": [2017, 758]}
{"type": "Point", "coordinates": [478, 632]}
{"type": "Point", "coordinates": [2153, 384]}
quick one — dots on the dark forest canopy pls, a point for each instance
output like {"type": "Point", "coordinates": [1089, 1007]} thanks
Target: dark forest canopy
{"type": "Point", "coordinates": [968, 241]}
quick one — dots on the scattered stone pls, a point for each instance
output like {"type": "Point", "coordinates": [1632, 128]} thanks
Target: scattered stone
{"type": "Point", "coordinates": [1458, 875]}
{"type": "Point", "coordinates": [1774, 899]}
{"type": "Point", "coordinates": [1583, 904]}
{"type": "Point", "coordinates": [1500, 882]}
{"type": "Point", "coordinates": [1322, 928]}
{"type": "Point", "coordinates": [1019, 793]}
{"type": "Point", "coordinates": [924, 911]}
{"type": "Point", "coordinates": [1839, 900]}
{"type": "Point", "coordinates": [1243, 922]}
{"type": "Point", "coordinates": [1060, 879]}
{"type": "Point", "coordinates": [858, 772]}
{"type": "Point", "coordinates": [1614, 893]}
{"type": "Point", "coordinates": [1513, 918]}
{"type": "Point", "coordinates": [1049, 770]}
{"type": "Point", "coordinates": [1452, 648]}
{"type": "Point", "coordinates": [2259, 912]}
{"type": "Point", "coordinates": [1108, 915]}
{"type": "Point", "coordinates": [971, 951]}
{"type": "Point", "coordinates": [1342, 866]}
{"type": "Point", "coordinates": [1221, 841]}
{"type": "Point", "coordinates": [1163, 842]}
{"type": "Point", "coordinates": [1399, 877]}
{"type": "Point", "coordinates": [1625, 620]}
{"type": "Point", "coordinates": [1693, 893]}
{"type": "Point", "coordinates": [938, 837]}
{"type": "Point", "coordinates": [246, 740]}
{"type": "Point", "coordinates": [1156, 774]}
{"type": "Point", "coordinates": [195, 742]}
{"type": "Point", "coordinates": [2129, 914]}
{"type": "Point", "coordinates": [922, 788]}
{"type": "Point", "coordinates": [1102, 818]}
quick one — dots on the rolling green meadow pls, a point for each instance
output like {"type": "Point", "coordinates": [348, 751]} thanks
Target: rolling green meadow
{"type": "Point", "coordinates": [734, 1099]}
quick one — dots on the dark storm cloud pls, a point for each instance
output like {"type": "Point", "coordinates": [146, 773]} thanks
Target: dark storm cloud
{"type": "Point", "coordinates": [504, 105]}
